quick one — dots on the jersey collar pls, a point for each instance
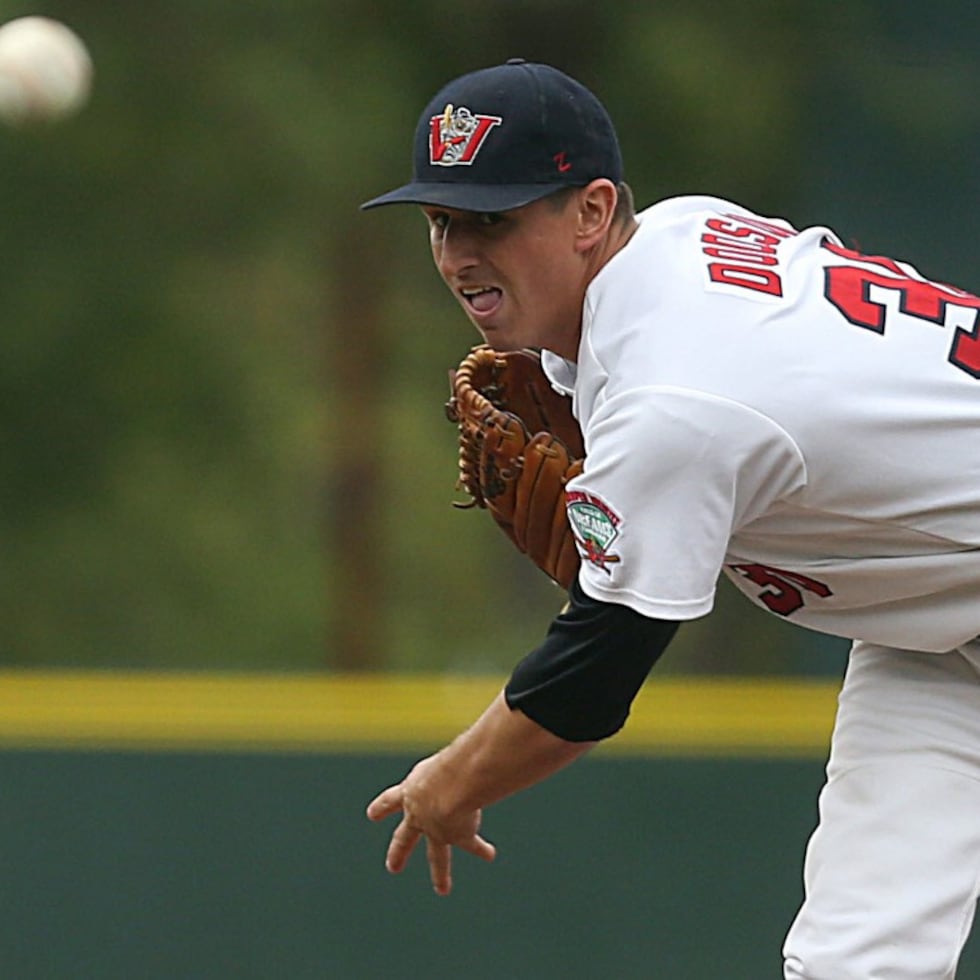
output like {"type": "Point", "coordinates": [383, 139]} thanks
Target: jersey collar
{"type": "Point", "coordinates": [561, 373]}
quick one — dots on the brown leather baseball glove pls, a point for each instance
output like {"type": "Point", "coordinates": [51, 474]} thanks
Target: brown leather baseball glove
{"type": "Point", "coordinates": [519, 444]}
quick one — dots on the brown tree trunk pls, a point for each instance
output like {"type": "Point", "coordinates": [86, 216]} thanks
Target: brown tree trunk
{"type": "Point", "coordinates": [352, 518]}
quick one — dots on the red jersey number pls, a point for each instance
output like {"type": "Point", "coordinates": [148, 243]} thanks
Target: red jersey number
{"type": "Point", "coordinates": [848, 287]}
{"type": "Point", "coordinates": [781, 592]}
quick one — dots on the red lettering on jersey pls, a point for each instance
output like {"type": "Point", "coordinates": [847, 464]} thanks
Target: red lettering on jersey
{"type": "Point", "coordinates": [778, 230]}
{"type": "Point", "coordinates": [732, 230]}
{"type": "Point", "coordinates": [782, 591]}
{"type": "Point", "coordinates": [735, 255]}
{"type": "Point", "coordinates": [848, 287]}
{"type": "Point", "coordinates": [849, 253]}
{"type": "Point", "coordinates": [764, 243]}
{"type": "Point", "coordinates": [760, 280]}
{"type": "Point", "coordinates": [746, 255]}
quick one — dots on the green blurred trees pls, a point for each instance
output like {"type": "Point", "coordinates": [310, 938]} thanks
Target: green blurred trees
{"type": "Point", "coordinates": [221, 437]}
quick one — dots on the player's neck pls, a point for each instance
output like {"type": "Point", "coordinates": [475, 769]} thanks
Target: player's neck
{"type": "Point", "coordinates": [617, 239]}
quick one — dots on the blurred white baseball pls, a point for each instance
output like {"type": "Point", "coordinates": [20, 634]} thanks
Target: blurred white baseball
{"type": "Point", "coordinates": [45, 71]}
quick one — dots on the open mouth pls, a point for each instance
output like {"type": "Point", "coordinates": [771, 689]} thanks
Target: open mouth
{"type": "Point", "coordinates": [482, 299]}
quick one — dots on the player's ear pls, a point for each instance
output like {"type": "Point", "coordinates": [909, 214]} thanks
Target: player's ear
{"type": "Point", "coordinates": [596, 207]}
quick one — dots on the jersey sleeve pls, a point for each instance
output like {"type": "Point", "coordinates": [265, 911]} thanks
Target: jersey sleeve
{"type": "Point", "coordinates": [670, 475]}
{"type": "Point", "coordinates": [580, 682]}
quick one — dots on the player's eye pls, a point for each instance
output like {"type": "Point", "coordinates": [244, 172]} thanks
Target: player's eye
{"type": "Point", "coordinates": [438, 219]}
{"type": "Point", "coordinates": [490, 218]}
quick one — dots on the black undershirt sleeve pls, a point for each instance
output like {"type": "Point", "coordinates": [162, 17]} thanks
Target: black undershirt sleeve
{"type": "Point", "coordinates": [580, 682]}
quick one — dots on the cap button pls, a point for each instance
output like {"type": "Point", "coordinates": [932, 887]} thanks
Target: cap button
{"type": "Point", "coordinates": [517, 61]}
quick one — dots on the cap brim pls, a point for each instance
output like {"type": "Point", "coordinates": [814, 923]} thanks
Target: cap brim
{"type": "Point", "coordinates": [465, 197]}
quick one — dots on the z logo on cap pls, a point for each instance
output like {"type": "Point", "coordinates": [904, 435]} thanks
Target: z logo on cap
{"type": "Point", "coordinates": [456, 136]}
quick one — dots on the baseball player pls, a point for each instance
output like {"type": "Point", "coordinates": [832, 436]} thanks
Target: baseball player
{"type": "Point", "coordinates": [758, 401]}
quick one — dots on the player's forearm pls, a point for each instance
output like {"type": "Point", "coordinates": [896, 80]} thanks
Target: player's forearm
{"type": "Point", "coordinates": [503, 752]}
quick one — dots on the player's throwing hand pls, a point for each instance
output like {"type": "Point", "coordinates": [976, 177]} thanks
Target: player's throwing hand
{"type": "Point", "coordinates": [417, 798]}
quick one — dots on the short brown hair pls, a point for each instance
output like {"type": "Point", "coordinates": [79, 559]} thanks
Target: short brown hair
{"type": "Point", "coordinates": [625, 205]}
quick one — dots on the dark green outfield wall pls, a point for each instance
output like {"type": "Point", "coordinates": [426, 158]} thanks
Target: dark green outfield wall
{"type": "Point", "coordinates": [118, 866]}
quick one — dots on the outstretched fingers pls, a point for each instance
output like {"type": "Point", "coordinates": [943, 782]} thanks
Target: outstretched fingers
{"type": "Point", "coordinates": [386, 803]}
{"type": "Point", "coordinates": [404, 839]}
{"type": "Point", "coordinates": [479, 846]}
{"type": "Point", "coordinates": [440, 836]}
{"type": "Point", "coordinates": [440, 866]}
{"type": "Point", "coordinates": [440, 858]}
{"type": "Point", "coordinates": [403, 842]}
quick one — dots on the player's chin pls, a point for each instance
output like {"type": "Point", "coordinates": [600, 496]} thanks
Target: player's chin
{"type": "Point", "coordinates": [499, 339]}
{"type": "Point", "coordinates": [498, 334]}
{"type": "Point", "coordinates": [491, 334]}
{"type": "Point", "coordinates": [494, 329]}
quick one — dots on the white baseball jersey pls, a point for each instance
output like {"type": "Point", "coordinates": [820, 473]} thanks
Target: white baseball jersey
{"type": "Point", "coordinates": [770, 404]}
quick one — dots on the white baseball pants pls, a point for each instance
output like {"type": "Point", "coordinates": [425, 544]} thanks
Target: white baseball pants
{"type": "Point", "coordinates": [892, 872]}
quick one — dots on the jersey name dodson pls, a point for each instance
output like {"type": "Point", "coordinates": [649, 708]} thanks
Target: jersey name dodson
{"type": "Point", "coordinates": [742, 252]}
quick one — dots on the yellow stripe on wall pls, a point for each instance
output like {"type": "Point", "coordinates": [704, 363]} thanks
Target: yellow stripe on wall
{"type": "Point", "coordinates": [288, 712]}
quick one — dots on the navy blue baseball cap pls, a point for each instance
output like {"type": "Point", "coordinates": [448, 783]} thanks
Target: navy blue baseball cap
{"type": "Point", "coordinates": [501, 137]}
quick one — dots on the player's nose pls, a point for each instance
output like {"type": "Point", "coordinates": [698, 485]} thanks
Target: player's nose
{"type": "Point", "coordinates": [457, 251]}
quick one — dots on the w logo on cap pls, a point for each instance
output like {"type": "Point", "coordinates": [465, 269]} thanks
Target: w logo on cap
{"type": "Point", "coordinates": [456, 136]}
